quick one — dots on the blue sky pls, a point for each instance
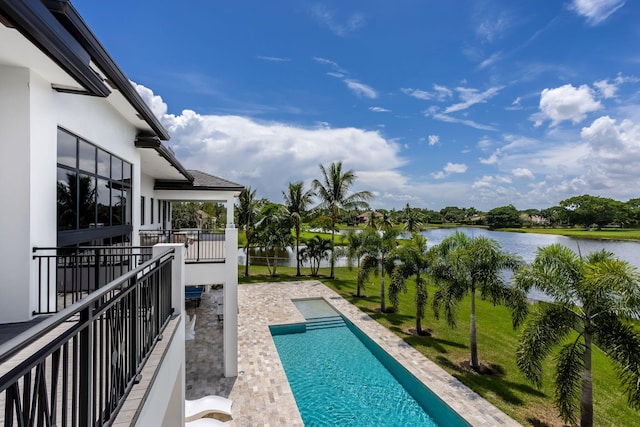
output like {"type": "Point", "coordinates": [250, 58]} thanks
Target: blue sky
{"type": "Point", "coordinates": [433, 103]}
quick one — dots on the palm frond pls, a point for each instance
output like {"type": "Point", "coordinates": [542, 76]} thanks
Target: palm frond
{"type": "Point", "coordinates": [569, 367]}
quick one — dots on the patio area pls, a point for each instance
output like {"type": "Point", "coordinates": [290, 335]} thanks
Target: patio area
{"type": "Point", "coordinates": [261, 392]}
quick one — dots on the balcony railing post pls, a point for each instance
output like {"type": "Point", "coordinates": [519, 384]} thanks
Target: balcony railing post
{"type": "Point", "coordinates": [134, 329]}
{"type": "Point", "coordinates": [85, 374]}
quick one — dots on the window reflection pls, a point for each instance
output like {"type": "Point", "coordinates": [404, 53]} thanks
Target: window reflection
{"type": "Point", "coordinates": [86, 156]}
{"type": "Point", "coordinates": [67, 200]}
{"type": "Point", "coordinates": [86, 201]}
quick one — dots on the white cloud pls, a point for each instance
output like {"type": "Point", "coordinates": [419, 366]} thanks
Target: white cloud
{"type": "Point", "coordinates": [596, 11]}
{"type": "Point", "coordinates": [361, 89]}
{"type": "Point", "coordinates": [440, 93]}
{"type": "Point", "coordinates": [470, 96]}
{"type": "Point", "coordinates": [434, 139]}
{"type": "Point", "coordinates": [491, 160]}
{"type": "Point", "coordinates": [273, 58]}
{"type": "Point", "coordinates": [327, 18]}
{"type": "Point", "coordinates": [522, 173]}
{"type": "Point", "coordinates": [332, 64]}
{"type": "Point", "coordinates": [157, 105]}
{"type": "Point", "coordinates": [449, 119]}
{"type": "Point", "coordinates": [379, 110]}
{"type": "Point", "coordinates": [450, 168]}
{"type": "Point", "coordinates": [606, 89]}
{"type": "Point", "coordinates": [253, 153]}
{"type": "Point", "coordinates": [567, 103]}
{"type": "Point", "coordinates": [495, 57]}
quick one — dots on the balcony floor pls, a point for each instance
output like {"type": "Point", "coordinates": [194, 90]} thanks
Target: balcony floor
{"type": "Point", "coordinates": [10, 330]}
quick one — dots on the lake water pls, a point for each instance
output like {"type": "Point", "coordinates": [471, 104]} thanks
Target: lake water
{"type": "Point", "coordinates": [523, 244]}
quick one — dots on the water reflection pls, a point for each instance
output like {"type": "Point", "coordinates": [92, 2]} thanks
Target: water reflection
{"type": "Point", "coordinates": [523, 244]}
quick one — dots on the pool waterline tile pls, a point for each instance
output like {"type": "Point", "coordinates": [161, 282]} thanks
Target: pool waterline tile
{"type": "Point", "coordinates": [261, 392]}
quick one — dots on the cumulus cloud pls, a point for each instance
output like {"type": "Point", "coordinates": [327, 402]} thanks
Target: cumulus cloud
{"type": "Point", "coordinates": [450, 168]}
{"type": "Point", "coordinates": [341, 28]}
{"type": "Point", "coordinates": [434, 139]}
{"type": "Point", "coordinates": [269, 155]}
{"type": "Point", "coordinates": [522, 173]}
{"type": "Point", "coordinates": [567, 103]}
{"type": "Point", "coordinates": [157, 105]}
{"type": "Point", "coordinates": [596, 11]}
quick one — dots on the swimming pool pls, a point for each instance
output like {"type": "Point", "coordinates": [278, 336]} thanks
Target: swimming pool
{"type": "Point", "coordinates": [339, 376]}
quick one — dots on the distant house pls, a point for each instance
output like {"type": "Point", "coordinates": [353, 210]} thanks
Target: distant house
{"type": "Point", "coordinates": [86, 177]}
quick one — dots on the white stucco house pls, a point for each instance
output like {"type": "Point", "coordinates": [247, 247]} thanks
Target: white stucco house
{"type": "Point", "coordinates": [91, 315]}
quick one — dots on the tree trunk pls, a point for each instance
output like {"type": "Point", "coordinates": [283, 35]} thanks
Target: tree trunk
{"type": "Point", "coordinates": [473, 339]}
{"type": "Point", "coordinates": [419, 305]}
{"type": "Point", "coordinates": [383, 306]}
{"type": "Point", "coordinates": [246, 259]}
{"type": "Point", "coordinates": [586, 399]}
{"type": "Point", "coordinates": [334, 220]}
{"type": "Point", "coordinates": [298, 249]}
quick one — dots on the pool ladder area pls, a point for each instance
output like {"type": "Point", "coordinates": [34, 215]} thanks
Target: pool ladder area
{"type": "Point", "coordinates": [325, 323]}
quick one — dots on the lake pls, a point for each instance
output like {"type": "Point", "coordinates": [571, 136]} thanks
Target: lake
{"type": "Point", "coordinates": [523, 244]}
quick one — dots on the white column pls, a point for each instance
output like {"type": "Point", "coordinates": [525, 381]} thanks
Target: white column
{"type": "Point", "coordinates": [230, 330]}
{"type": "Point", "coordinates": [230, 218]}
{"type": "Point", "coordinates": [177, 272]}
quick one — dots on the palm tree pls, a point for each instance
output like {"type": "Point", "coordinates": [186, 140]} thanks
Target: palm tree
{"type": "Point", "coordinates": [297, 201]}
{"type": "Point", "coordinates": [377, 258]}
{"type": "Point", "coordinates": [354, 252]}
{"type": "Point", "coordinates": [247, 213]}
{"type": "Point", "coordinates": [594, 297]}
{"type": "Point", "coordinates": [316, 250]}
{"type": "Point", "coordinates": [273, 232]}
{"type": "Point", "coordinates": [333, 192]}
{"type": "Point", "coordinates": [464, 265]}
{"type": "Point", "coordinates": [413, 260]}
{"type": "Point", "coordinates": [412, 219]}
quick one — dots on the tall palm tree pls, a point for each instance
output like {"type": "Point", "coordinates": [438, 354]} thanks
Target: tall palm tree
{"type": "Point", "coordinates": [247, 212]}
{"type": "Point", "coordinates": [595, 297]}
{"type": "Point", "coordinates": [333, 191]}
{"type": "Point", "coordinates": [464, 265]}
{"type": "Point", "coordinates": [297, 201]}
{"type": "Point", "coordinates": [413, 259]}
{"type": "Point", "coordinates": [378, 249]}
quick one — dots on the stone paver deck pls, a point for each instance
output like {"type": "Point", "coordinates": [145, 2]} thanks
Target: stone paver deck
{"type": "Point", "coordinates": [261, 392]}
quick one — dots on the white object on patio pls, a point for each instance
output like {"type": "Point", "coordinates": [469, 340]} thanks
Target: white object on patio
{"type": "Point", "coordinates": [206, 422]}
{"type": "Point", "coordinates": [190, 326]}
{"type": "Point", "coordinates": [196, 409]}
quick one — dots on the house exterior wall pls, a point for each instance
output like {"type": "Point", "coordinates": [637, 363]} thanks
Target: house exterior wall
{"type": "Point", "coordinates": [30, 113]}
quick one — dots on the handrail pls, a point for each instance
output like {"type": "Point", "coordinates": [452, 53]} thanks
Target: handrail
{"type": "Point", "coordinates": [90, 354]}
{"type": "Point", "coordinates": [19, 342]}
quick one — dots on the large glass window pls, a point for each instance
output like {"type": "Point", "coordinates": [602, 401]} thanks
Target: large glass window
{"type": "Point", "coordinates": [93, 190]}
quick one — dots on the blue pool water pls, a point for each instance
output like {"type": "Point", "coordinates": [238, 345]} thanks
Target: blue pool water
{"type": "Point", "coordinates": [338, 376]}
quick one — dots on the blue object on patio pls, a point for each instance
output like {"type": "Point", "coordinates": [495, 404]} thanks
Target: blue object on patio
{"type": "Point", "coordinates": [193, 293]}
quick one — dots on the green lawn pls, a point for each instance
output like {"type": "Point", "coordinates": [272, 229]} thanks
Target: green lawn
{"type": "Point", "coordinates": [506, 387]}
{"type": "Point", "coordinates": [605, 233]}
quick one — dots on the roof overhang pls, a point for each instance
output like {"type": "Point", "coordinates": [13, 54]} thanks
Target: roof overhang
{"type": "Point", "coordinates": [35, 22]}
{"type": "Point", "coordinates": [160, 151]}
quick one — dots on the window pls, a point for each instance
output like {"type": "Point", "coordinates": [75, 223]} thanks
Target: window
{"type": "Point", "coordinates": [142, 210]}
{"type": "Point", "coordinates": [159, 220]}
{"type": "Point", "coordinates": [151, 210]}
{"type": "Point", "coordinates": [93, 193]}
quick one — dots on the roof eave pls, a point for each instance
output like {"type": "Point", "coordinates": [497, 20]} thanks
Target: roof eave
{"type": "Point", "coordinates": [35, 22]}
{"type": "Point", "coordinates": [155, 143]}
{"type": "Point", "coordinates": [69, 17]}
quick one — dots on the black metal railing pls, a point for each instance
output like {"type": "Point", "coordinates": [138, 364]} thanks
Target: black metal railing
{"type": "Point", "coordinates": [66, 275]}
{"type": "Point", "coordinates": [77, 367]}
{"type": "Point", "coordinates": [202, 245]}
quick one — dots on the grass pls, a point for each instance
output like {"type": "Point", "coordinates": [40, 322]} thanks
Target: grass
{"type": "Point", "coordinates": [605, 233]}
{"type": "Point", "coordinates": [506, 388]}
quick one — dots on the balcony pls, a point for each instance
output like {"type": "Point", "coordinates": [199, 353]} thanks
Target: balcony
{"type": "Point", "coordinates": [77, 367]}
{"type": "Point", "coordinates": [203, 246]}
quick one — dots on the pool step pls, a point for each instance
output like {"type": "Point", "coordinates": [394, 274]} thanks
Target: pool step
{"type": "Point", "coordinates": [325, 323]}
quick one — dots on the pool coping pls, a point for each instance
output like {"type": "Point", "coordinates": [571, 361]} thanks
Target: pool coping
{"type": "Point", "coordinates": [261, 392]}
